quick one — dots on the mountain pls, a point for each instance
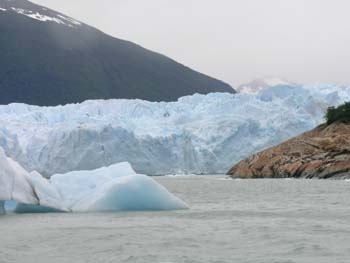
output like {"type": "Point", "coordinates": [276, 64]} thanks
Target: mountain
{"type": "Point", "coordinates": [48, 58]}
{"type": "Point", "coordinates": [321, 153]}
{"type": "Point", "coordinates": [257, 85]}
{"type": "Point", "coordinates": [201, 134]}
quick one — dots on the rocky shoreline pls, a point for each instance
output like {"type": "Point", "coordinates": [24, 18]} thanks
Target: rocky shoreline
{"type": "Point", "coordinates": [323, 153]}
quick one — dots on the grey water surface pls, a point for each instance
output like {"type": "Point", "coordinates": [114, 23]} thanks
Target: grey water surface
{"type": "Point", "coordinates": [260, 221]}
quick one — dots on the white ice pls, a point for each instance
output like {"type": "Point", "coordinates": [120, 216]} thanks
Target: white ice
{"type": "Point", "coordinates": [117, 187]}
{"type": "Point", "coordinates": [129, 193]}
{"type": "Point", "coordinates": [113, 188]}
{"type": "Point", "coordinates": [15, 182]}
{"type": "Point", "coordinates": [60, 19]}
{"type": "Point", "coordinates": [199, 134]}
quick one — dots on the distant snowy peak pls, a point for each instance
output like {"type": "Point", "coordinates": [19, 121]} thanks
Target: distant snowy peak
{"type": "Point", "coordinates": [258, 85]}
{"type": "Point", "coordinates": [36, 12]}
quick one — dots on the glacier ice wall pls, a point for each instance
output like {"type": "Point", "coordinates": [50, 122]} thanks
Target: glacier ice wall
{"type": "Point", "coordinates": [200, 134]}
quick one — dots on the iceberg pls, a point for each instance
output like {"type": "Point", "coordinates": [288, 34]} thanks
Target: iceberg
{"type": "Point", "coordinates": [198, 134]}
{"type": "Point", "coordinates": [107, 189]}
{"type": "Point", "coordinates": [113, 188]}
{"type": "Point", "coordinates": [131, 193]}
{"type": "Point", "coordinates": [15, 182]}
{"type": "Point", "coordinates": [33, 209]}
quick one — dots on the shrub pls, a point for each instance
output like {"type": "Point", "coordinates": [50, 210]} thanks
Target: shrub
{"type": "Point", "coordinates": [341, 114]}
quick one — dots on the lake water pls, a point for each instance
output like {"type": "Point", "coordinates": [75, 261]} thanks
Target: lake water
{"type": "Point", "coordinates": [260, 221]}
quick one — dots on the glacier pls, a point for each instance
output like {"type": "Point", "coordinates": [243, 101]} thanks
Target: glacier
{"type": "Point", "coordinates": [107, 189]}
{"type": "Point", "coordinates": [198, 134]}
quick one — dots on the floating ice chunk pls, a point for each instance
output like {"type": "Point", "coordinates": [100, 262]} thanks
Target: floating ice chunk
{"type": "Point", "coordinates": [74, 186]}
{"type": "Point", "coordinates": [47, 194]}
{"type": "Point", "coordinates": [129, 193]}
{"type": "Point", "coordinates": [25, 208]}
{"type": "Point", "coordinates": [10, 205]}
{"type": "Point", "coordinates": [112, 188]}
{"type": "Point", "coordinates": [15, 182]}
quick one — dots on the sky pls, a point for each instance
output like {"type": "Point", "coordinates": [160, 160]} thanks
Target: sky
{"type": "Point", "coordinates": [304, 41]}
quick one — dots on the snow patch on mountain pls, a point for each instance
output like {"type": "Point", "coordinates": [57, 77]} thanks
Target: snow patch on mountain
{"type": "Point", "coordinates": [37, 16]}
{"type": "Point", "coordinates": [70, 20]}
{"type": "Point", "coordinates": [39, 13]}
{"type": "Point", "coordinates": [200, 134]}
{"type": "Point", "coordinates": [44, 18]}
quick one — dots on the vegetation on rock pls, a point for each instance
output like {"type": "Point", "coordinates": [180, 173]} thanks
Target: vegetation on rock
{"type": "Point", "coordinates": [340, 114]}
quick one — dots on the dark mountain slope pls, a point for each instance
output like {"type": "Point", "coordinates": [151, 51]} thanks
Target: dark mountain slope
{"type": "Point", "coordinates": [47, 58]}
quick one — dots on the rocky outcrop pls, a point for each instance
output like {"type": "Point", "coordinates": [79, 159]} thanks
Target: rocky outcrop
{"type": "Point", "coordinates": [321, 153]}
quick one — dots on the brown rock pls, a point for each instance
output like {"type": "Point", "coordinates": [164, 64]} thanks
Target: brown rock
{"type": "Point", "coordinates": [321, 153]}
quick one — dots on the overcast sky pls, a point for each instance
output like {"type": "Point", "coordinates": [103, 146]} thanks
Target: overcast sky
{"type": "Point", "coordinates": [234, 40]}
